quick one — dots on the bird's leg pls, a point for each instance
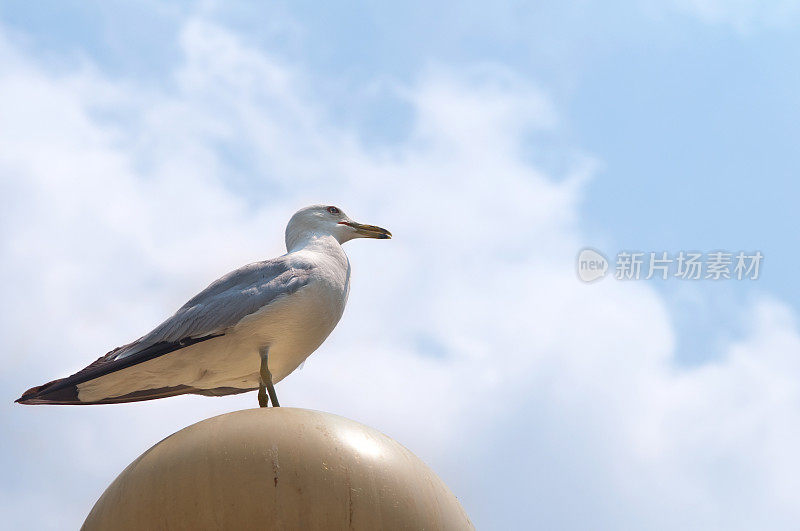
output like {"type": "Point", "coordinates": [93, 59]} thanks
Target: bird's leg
{"type": "Point", "coordinates": [263, 400]}
{"type": "Point", "coordinates": [266, 381]}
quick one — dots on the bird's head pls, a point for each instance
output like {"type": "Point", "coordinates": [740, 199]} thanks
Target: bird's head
{"type": "Point", "coordinates": [324, 220]}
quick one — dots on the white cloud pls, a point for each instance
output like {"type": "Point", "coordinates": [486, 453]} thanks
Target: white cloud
{"type": "Point", "coordinates": [538, 398]}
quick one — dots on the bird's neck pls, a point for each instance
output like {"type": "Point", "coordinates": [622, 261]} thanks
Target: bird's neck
{"type": "Point", "coordinates": [312, 241]}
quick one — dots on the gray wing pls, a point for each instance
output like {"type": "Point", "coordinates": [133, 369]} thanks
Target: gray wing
{"type": "Point", "coordinates": [227, 301]}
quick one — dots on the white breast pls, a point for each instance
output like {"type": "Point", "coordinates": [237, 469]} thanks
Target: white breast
{"type": "Point", "coordinates": [292, 327]}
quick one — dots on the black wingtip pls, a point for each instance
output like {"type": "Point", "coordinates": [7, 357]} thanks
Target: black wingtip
{"type": "Point", "coordinates": [30, 394]}
{"type": "Point", "coordinates": [50, 393]}
{"type": "Point", "coordinates": [28, 400]}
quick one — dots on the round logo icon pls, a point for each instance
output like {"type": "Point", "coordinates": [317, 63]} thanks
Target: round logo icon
{"type": "Point", "coordinates": [591, 265]}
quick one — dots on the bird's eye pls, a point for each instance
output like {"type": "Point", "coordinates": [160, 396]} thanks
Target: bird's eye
{"type": "Point", "coordinates": [333, 210]}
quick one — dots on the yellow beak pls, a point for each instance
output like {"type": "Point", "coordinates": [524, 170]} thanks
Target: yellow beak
{"type": "Point", "coordinates": [368, 231]}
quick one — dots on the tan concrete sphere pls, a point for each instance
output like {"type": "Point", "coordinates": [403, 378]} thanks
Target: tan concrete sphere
{"type": "Point", "coordinates": [277, 468]}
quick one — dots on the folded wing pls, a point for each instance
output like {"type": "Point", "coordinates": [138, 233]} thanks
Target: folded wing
{"type": "Point", "coordinates": [208, 315]}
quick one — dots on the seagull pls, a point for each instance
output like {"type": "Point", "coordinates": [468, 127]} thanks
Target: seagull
{"type": "Point", "coordinates": [248, 330]}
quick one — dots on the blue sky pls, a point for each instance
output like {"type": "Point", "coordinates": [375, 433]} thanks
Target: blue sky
{"type": "Point", "coordinates": [140, 133]}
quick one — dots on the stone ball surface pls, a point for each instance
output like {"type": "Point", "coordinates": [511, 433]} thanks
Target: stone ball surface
{"type": "Point", "coordinates": [277, 468]}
